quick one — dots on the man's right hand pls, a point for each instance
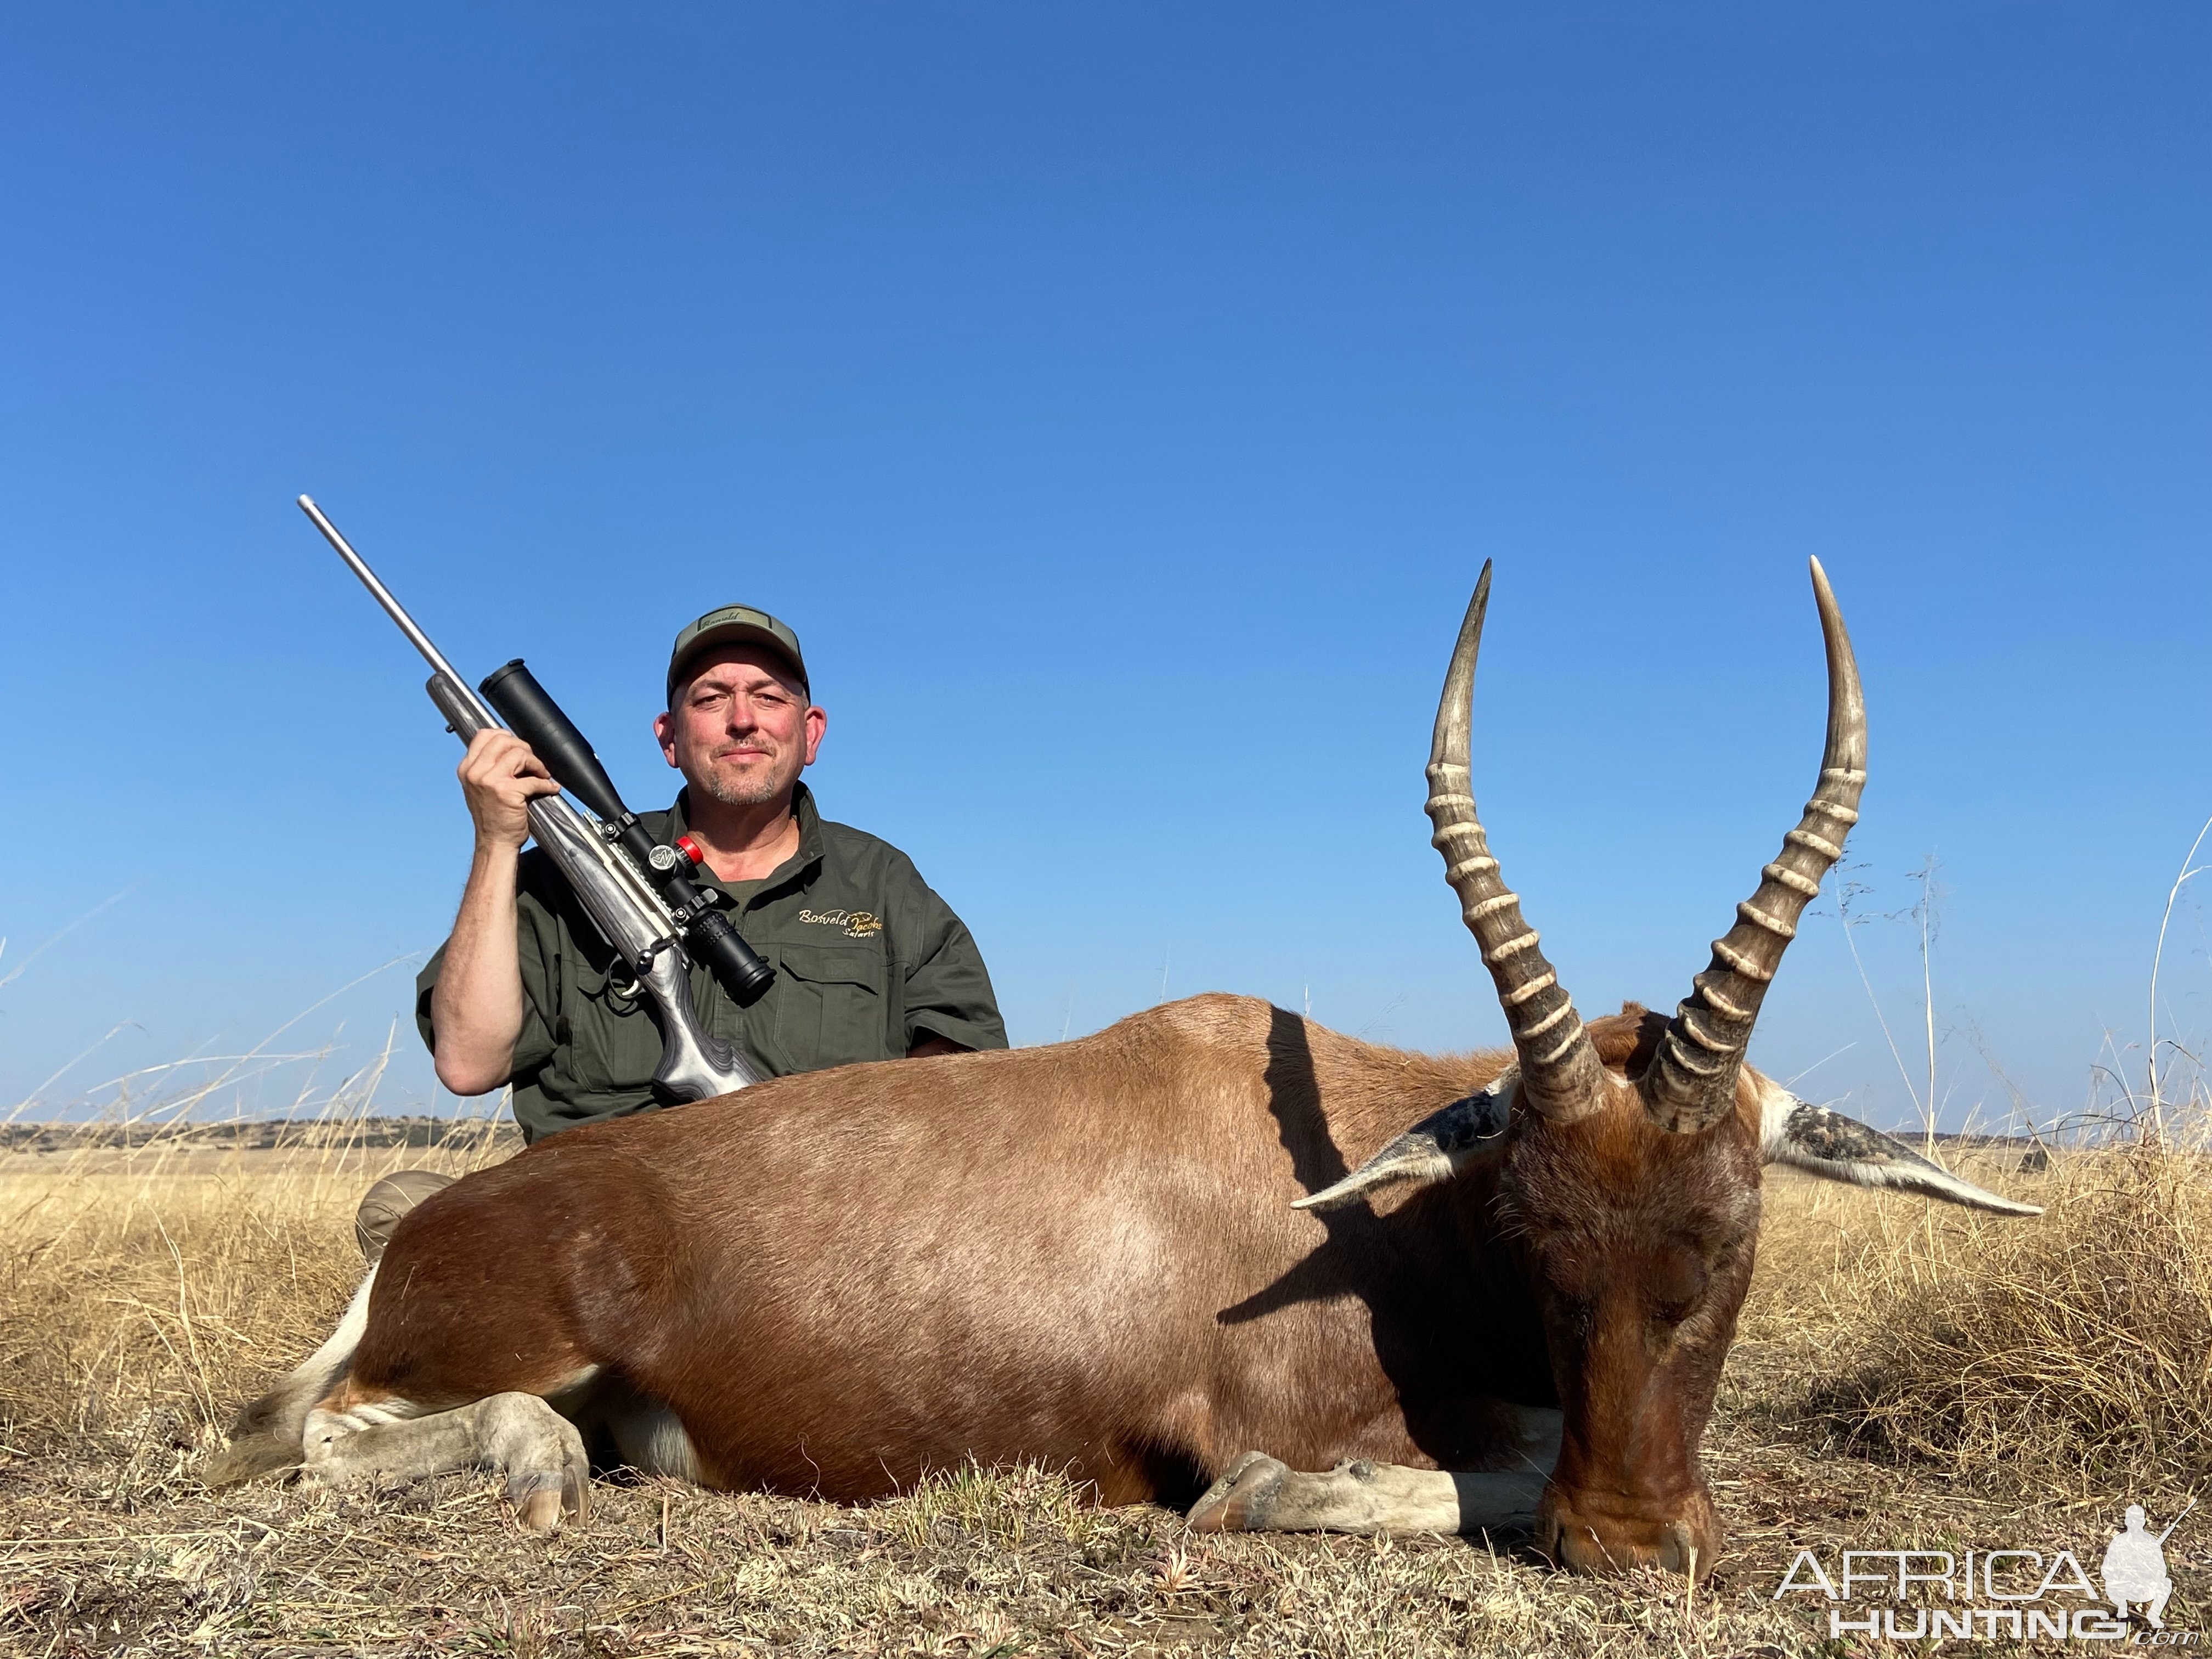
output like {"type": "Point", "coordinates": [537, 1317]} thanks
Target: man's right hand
{"type": "Point", "coordinates": [500, 777]}
{"type": "Point", "coordinates": [477, 1010]}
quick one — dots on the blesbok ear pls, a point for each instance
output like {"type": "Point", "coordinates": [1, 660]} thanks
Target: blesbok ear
{"type": "Point", "coordinates": [1826, 1144]}
{"type": "Point", "coordinates": [1435, 1149]}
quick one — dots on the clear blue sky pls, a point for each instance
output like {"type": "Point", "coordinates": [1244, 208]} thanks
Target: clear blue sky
{"type": "Point", "coordinates": [1120, 399]}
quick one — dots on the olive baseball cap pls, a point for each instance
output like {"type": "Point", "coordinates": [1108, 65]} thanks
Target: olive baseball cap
{"type": "Point", "coordinates": [733, 624]}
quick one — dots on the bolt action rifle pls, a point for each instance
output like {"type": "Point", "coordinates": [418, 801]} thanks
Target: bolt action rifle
{"type": "Point", "coordinates": [637, 892]}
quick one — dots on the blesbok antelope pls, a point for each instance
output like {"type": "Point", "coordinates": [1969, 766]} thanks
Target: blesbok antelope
{"type": "Point", "coordinates": [1137, 1255]}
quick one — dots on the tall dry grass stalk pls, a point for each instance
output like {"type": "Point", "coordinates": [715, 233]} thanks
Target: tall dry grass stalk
{"type": "Point", "coordinates": [2058, 1356]}
{"type": "Point", "coordinates": [155, 1267]}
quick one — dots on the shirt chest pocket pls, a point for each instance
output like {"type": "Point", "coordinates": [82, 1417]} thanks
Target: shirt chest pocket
{"type": "Point", "coordinates": [614, 1039]}
{"type": "Point", "coordinates": [830, 1006]}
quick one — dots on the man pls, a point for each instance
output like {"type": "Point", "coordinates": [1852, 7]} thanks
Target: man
{"type": "Point", "coordinates": [869, 963]}
{"type": "Point", "coordinates": [2134, 1569]}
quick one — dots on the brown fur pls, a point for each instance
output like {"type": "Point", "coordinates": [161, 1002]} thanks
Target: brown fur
{"type": "Point", "coordinates": [1085, 1254]}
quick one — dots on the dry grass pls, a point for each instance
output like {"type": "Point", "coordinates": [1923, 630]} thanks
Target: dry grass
{"type": "Point", "coordinates": [2064, 1357]}
{"type": "Point", "coordinates": [1907, 1376]}
{"type": "Point", "coordinates": [178, 1271]}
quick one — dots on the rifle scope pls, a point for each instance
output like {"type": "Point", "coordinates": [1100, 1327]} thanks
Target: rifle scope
{"type": "Point", "coordinates": [535, 719]}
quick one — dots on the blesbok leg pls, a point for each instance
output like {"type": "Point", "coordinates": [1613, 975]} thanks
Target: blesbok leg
{"type": "Point", "coordinates": [517, 1435]}
{"type": "Point", "coordinates": [1261, 1493]}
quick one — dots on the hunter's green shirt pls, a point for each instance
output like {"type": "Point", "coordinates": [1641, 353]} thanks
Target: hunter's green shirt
{"type": "Point", "coordinates": [868, 961]}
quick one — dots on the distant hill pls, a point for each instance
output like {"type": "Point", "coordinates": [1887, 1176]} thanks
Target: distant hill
{"type": "Point", "coordinates": [257, 1134]}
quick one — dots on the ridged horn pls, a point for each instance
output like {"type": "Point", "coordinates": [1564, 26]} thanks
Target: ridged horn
{"type": "Point", "coordinates": [1690, 1082]}
{"type": "Point", "coordinates": [1561, 1076]}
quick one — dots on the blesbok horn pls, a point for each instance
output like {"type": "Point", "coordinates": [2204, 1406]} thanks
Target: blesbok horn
{"type": "Point", "coordinates": [1690, 1082]}
{"type": "Point", "coordinates": [1561, 1076]}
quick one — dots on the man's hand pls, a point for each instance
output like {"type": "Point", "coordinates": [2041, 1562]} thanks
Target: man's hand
{"type": "Point", "coordinates": [500, 777]}
{"type": "Point", "coordinates": [477, 1008]}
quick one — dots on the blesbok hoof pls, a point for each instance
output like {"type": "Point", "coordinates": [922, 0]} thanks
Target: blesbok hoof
{"type": "Point", "coordinates": [1243, 1500]}
{"type": "Point", "coordinates": [549, 1474]}
{"type": "Point", "coordinates": [543, 1498]}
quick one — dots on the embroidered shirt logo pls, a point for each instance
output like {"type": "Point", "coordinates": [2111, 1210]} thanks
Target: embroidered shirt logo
{"type": "Point", "coordinates": [857, 924]}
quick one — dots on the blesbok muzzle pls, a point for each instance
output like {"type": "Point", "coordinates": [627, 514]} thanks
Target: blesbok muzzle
{"type": "Point", "coordinates": [1600, 1532]}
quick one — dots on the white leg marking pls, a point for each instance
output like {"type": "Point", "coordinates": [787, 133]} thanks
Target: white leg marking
{"type": "Point", "coordinates": [517, 1435]}
{"type": "Point", "coordinates": [1262, 1494]}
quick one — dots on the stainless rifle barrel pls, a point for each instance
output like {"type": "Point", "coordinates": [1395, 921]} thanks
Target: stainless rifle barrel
{"type": "Point", "coordinates": [393, 608]}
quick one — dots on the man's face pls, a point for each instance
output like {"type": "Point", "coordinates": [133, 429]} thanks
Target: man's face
{"type": "Point", "coordinates": [741, 728]}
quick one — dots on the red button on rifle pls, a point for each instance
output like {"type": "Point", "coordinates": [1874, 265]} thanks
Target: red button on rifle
{"type": "Point", "coordinates": [690, 848]}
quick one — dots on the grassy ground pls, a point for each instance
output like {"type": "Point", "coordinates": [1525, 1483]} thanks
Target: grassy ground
{"type": "Point", "coordinates": [1907, 1376]}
